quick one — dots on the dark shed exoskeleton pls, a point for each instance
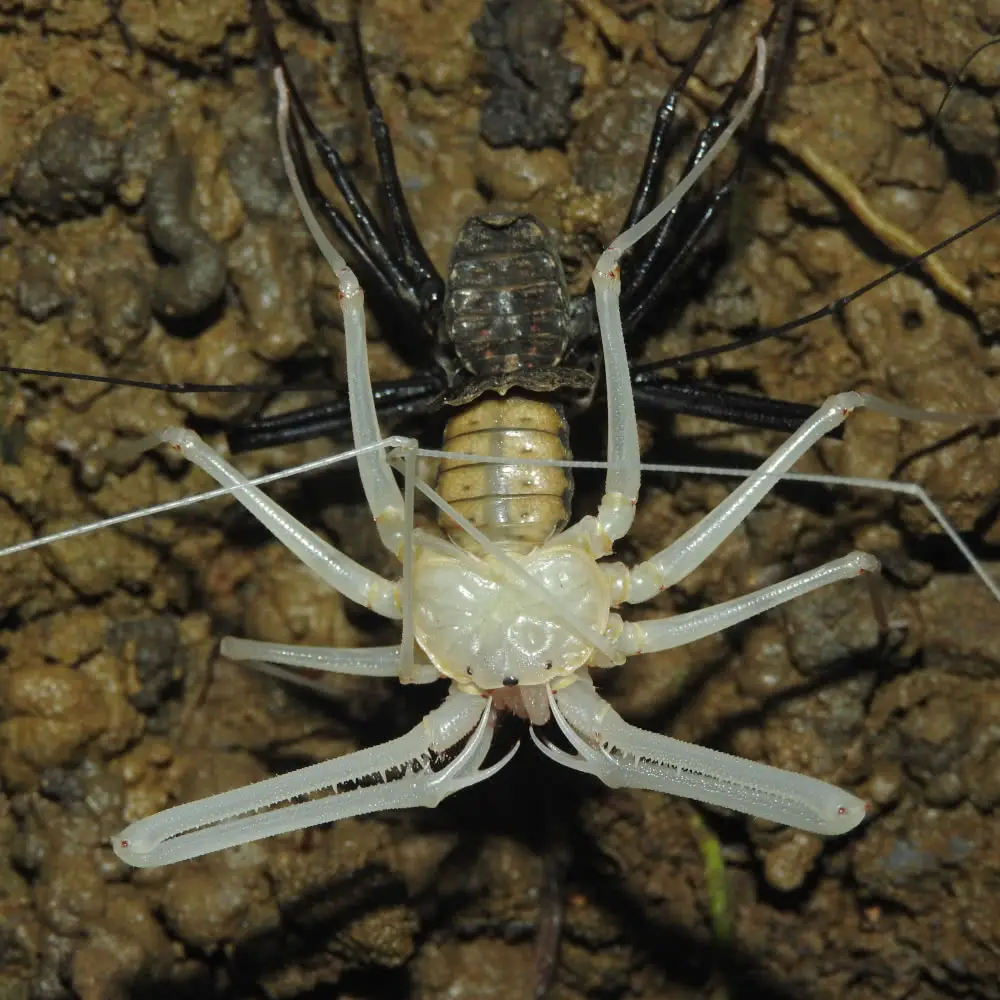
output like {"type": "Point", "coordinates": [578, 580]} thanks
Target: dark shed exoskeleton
{"type": "Point", "coordinates": [503, 320]}
{"type": "Point", "coordinates": [507, 312]}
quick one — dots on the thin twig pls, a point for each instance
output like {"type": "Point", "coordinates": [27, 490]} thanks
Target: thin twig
{"type": "Point", "coordinates": [895, 238]}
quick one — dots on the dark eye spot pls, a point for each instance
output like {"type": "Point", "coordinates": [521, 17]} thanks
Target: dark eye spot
{"type": "Point", "coordinates": [509, 682]}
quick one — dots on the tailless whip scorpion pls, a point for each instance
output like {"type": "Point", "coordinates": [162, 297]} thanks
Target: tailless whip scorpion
{"type": "Point", "coordinates": [506, 599]}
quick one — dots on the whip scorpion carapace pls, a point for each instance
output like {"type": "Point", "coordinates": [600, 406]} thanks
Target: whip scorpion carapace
{"type": "Point", "coordinates": [507, 600]}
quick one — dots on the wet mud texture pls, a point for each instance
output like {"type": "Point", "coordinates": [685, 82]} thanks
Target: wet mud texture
{"type": "Point", "coordinates": [147, 232]}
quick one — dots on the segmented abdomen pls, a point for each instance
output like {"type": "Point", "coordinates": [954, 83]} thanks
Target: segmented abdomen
{"type": "Point", "coordinates": [507, 304]}
{"type": "Point", "coordinates": [508, 501]}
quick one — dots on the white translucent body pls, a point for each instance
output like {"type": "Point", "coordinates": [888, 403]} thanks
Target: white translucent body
{"type": "Point", "coordinates": [478, 626]}
{"type": "Point", "coordinates": [537, 619]}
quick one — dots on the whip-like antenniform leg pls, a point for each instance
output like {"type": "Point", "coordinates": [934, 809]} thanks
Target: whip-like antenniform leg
{"type": "Point", "coordinates": [689, 551]}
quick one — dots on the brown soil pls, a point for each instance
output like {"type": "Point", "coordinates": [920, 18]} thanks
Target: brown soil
{"type": "Point", "coordinates": [147, 232]}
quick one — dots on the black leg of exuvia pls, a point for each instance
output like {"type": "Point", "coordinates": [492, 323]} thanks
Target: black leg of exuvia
{"type": "Point", "coordinates": [648, 187]}
{"type": "Point", "coordinates": [429, 284]}
{"type": "Point", "coordinates": [400, 317]}
{"type": "Point", "coordinates": [397, 400]}
{"type": "Point", "coordinates": [674, 244]}
{"type": "Point", "coordinates": [372, 274]}
{"type": "Point", "coordinates": [368, 243]}
{"type": "Point", "coordinates": [422, 394]}
{"type": "Point", "coordinates": [637, 310]}
{"type": "Point", "coordinates": [654, 394]}
{"type": "Point", "coordinates": [679, 236]}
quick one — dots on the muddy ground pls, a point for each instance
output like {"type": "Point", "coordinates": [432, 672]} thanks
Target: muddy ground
{"type": "Point", "coordinates": [147, 232]}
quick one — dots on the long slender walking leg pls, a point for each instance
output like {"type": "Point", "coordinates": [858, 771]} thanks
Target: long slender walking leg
{"type": "Point", "coordinates": [621, 491]}
{"type": "Point", "coordinates": [381, 490]}
{"type": "Point", "coordinates": [653, 635]}
{"type": "Point", "coordinates": [341, 572]}
{"type": "Point", "coordinates": [375, 661]}
{"type": "Point", "coordinates": [689, 551]}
